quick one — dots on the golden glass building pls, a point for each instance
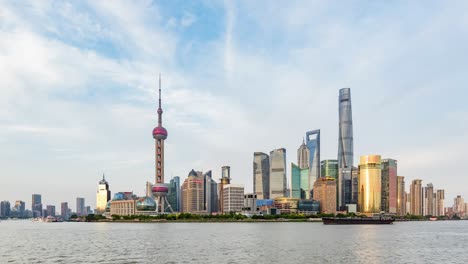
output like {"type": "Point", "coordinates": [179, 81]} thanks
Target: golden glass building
{"type": "Point", "coordinates": [369, 181]}
{"type": "Point", "coordinates": [103, 196]}
{"type": "Point", "coordinates": [401, 199]}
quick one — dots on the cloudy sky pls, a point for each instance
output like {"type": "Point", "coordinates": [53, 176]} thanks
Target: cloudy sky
{"type": "Point", "coordinates": [78, 88]}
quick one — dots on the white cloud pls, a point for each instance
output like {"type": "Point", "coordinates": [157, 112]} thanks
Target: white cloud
{"type": "Point", "coordinates": [187, 19]}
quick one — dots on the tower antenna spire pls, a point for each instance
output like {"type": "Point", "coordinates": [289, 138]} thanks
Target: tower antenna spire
{"type": "Point", "coordinates": [160, 111]}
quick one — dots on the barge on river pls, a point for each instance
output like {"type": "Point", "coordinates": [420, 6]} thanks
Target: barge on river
{"type": "Point", "coordinates": [357, 220]}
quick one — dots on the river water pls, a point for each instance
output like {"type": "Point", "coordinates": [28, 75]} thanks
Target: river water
{"type": "Point", "coordinates": [403, 242]}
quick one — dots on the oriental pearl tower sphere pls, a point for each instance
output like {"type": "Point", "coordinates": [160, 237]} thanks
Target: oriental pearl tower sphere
{"type": "Point", "coordinates": [160, 189]}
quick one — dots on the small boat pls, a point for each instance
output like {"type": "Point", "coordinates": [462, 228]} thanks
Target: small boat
{"type": "Point", "coordinates": [357, 220]}
{"type": "Point", "coordinates": [50, 219]}
{"type": "Point", "coordinates": [433, 218]}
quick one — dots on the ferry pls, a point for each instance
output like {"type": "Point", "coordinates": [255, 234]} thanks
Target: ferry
{"type": "Point", "coordinates": [50, 219]}
{"type": "Point", "coordinates": [375, 220]}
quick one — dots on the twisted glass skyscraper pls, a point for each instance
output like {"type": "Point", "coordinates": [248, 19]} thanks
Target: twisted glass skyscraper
{"type": "Point", "coordinates": [345, 148]}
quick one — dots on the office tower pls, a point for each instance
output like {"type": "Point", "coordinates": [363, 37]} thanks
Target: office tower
{"type": "Point", "coordinates": [369, 178]}
{"type": "Point", "coordinates": [389, 186]}
{"type": "Point", "coordinates": [261, 175]}
{"type": "Point", "coordinates": [80, 206]}
{"type": "Point", "coordinates": [192, 192]}
{"type": "Point", "coordinates": [325, 193]}
{"type": "Point", "coordinates": [160, 189]}
{"type": "Point", "coordinates": [401, 199]}
{"type": "Point", "coordinates": [36, 205]}
{"type": "Point", "coordinates": [64, 211]}
{"type": "Point", "coordinates": [440, 197]}
{"type": "Point", "coordinates": [416, 197]}
{"type": "Point", "coordinates": [345, 147]}
{"type": "Point", "coordinates": [225, 179]}
{"type": "Point", "coordinates": [20, 208]}
{"type": "Point", "coordinates": [278, 173]}
{"type": "Point", "coordinates": [303, 155]}
{"type": "Point", "coordinates": [210, 194]}
{"type": "Point", "coordinates": [354, 186]}
{"type": "Point", "coordinates": [5, 209]}
{"type": "Point", "coordinates": [300, 182]}
{"type": "Point", "coordinates": [233, 198]}
{"type": "Point", "coordinates": [50, 210]}
{"type": "Point", "coordinates": [173, 196]}
{"type": "Point", "coordinates": [407, 203]}
{"type": "Point", "coordinates": [103, 196]}
{"type": "Point", "coordinates": [435, 207]}
{"type": "Point", "coordinates": [313, 145]}
{"type": "Point", "coordinates": [329, 168]}
{"type": "Point", "coordinates": [459, 206]}
{"type": "Point", "coordinates": [428, 200]}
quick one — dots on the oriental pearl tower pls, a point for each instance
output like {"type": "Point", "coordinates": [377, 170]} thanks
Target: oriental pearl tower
{"type": "Point", "coordinates": [160, 189]}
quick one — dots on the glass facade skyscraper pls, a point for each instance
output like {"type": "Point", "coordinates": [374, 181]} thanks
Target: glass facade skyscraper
{"type": "Point", "coordinates": [389, 186]}
{"type": "Point", "coordinates": [211, 193]}
{"type": "Point", "coordinates": [354, 185]}
{"type": "Point", "coordinates": [36, 205]}
{"type": "Point", "coordinates": [369, 192]}
{"type": "Point", "coordinates": [173, 195]}
{"type": "Point", "coordinates": [313, 145]}
{"type": "Point", "coordinates": [299, 182]}
{"type": "Point", "coordinates": [261, 175]}
{"type": "Point", "coordinates": [80, 206]}
{"type": "Point", "coordinates": [401, 199]}
{"type": "Point", "coordinates": [278, 173]}
{"type": "Point", "coordinates": [5, 210]}
{"type": "Point", "coordinates": [329, 168]}
{"type": "Point", "coordinates": [345, 147]}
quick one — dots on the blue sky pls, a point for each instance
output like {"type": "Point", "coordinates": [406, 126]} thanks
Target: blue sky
{"type": "Point", "coordinates": [78, 88]}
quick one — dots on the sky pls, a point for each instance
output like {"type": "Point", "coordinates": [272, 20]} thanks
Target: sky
{"type": "Point", "coordinates": [78, 89]}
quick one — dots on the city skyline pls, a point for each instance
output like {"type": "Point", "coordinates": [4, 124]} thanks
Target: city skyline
{"type": "Point", "coordinates": [72, 111]}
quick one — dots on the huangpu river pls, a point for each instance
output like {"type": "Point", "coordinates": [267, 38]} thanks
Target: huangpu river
{"type": "Point", "coordinates": [23, 241]}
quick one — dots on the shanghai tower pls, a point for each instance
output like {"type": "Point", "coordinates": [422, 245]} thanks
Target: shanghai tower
{"type": "Point", "coordinates": [345, 148]}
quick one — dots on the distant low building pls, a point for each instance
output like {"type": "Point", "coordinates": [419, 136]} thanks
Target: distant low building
{"type": "Point", "coordinates": [131, 205]}
{"type": "Point", "coordinates": [308, 207]}
{"type": "Point", "coordinates": [286, 205]}
{"type": "Point", "coordinates": [250, 204]}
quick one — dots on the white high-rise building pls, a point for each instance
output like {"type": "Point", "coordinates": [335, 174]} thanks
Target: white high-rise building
{"type": "Point", "coordinates": [233, 198]}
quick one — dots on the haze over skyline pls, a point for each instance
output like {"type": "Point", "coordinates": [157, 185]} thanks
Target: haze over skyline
{"type": "Point", "coordinates": [78, 89]}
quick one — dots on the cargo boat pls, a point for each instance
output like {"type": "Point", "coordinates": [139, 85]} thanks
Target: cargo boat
{"type": "Point", "coordinates": [357, 221]}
